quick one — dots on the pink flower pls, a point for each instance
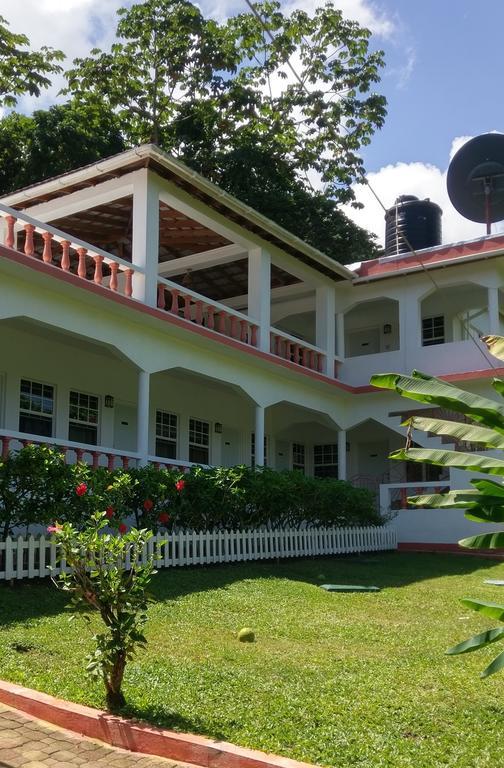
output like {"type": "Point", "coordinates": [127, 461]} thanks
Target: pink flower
{"type": "Point", "coordinates": [109, 512]}
{"type": "Point", "coordinates": [81, 489]}
{"type": "Point", "coordinates": [180, 485]}
{"type": "Point", "coordinates": [53, 528]}
{"type": "Point", "coordinates": [123, 528]}
{"type": "Point", "coordinates": [163, 518]}
{"type": "Point", "coordinates": [148, 504]}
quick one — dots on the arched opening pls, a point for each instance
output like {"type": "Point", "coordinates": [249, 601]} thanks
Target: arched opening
{"type": "Point", "coordinates": [372, 327]}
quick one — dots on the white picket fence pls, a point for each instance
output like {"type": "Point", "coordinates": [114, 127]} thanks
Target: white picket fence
{"type": "Point", "coordinates": [33, 557]}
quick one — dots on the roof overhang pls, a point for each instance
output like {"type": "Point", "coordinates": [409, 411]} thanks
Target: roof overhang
{"type": "Point", "coordinates": [152, 157]}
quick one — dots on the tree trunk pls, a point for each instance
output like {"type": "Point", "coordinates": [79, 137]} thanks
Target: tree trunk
{"type": "Point", "coordinates": [113, 683]}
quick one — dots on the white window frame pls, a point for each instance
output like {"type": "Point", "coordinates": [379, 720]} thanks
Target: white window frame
{"type": "Point", "coordinates": [252, 449]}
{"type": "Point", "coordinates": [79, 422]}
{"type": "Point", "coordinates": [334, 447]}
{"type": "Point", "coordinates": [434, 339]}
{"type": "Point", "coordinates": [35, 413]}
{"type": "Point", "coordinates": [193, 444]}
{"type": "Point", "coordinates": [163, 438]}
{"type": "Point", "coordinates": [295, 453]}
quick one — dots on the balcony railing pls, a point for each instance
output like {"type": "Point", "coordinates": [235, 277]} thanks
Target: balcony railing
{"type": "Point", "coordinates": [296, 351]}
{"type": "Point", "coordinates": [198, 309]}
{"type": "Point", "coordinates": [52, 246]}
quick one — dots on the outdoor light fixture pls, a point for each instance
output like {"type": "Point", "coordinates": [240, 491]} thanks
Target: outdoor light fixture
{"type": "Point", "coordinates": [387, 328]}
{"type": "Point", "coordinates": [109, 401]}
{"type": "Point", "coordinates": [218, 427]}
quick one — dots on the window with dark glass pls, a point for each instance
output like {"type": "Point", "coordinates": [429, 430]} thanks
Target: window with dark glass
{"type": "Point", "coordinates": [166, 435]}
{"type": "Point", "coordinates": [433, 331]}
{"type": "Point", "coordinates": [325, 460]}
{"type": "Point", "coordinates": [199, 441]}
{"type": "Point", "coordinates": [252, 450]}
{"type": "Point", "coordinates": [83, 417]}
{"type": "Point", "coordinates": [298, 457]}
{"type": "Point", "coordinates": [36, 408]}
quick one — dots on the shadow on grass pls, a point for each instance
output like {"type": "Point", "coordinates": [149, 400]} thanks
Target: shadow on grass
{"type": "Point", "coordinates": [26, 600]}
{"type": "Point", "coordinates": [173, 721]}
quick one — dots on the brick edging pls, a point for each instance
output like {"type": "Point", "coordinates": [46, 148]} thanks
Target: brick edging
{"type": "Point", "coordinates": [137, 736]}
{"type": "Point", "coordinates": [453, 549]}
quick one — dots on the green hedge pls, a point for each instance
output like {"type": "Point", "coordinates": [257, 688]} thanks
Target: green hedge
{"type": "Point", "coordinates": [37, 487]}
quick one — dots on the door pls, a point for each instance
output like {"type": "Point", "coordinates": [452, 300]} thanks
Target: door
{"type": "Point", "coordinates": [125, 427]}
{"type": "Point", "coordinates": [231, 447]}
{"type": "Point", "coordinates": [365, 341]}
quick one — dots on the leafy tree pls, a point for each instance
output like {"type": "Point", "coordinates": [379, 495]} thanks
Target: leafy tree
{"type": "Point", "coordinates": [23, 71]}
{"type": "Point", "coordinates": [53, 141]}
{"type": "Point", "coordinates": [484, 503]}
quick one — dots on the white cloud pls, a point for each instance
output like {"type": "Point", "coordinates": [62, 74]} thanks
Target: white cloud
{"type": "Point", "coordinates": [422, 180]}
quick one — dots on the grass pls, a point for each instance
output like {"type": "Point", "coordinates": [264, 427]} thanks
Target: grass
{"type": "Point", "coordinates": [335, 679]}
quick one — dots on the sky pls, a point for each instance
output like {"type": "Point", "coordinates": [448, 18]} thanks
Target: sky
{"type": "Point", "coordinates": [441, 80]}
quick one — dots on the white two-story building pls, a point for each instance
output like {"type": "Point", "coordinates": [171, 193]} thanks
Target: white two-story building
{"type": "Point", "coordinates": [148, 316]}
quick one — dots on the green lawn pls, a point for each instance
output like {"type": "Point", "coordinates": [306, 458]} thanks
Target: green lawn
{"type": "Point", "coordinates": [335, 679]}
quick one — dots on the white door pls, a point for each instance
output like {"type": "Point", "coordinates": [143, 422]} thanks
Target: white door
{"type": "Point", "coordinates": [231, 447]}
{"type": "Point", "coordinates": [125, 426]}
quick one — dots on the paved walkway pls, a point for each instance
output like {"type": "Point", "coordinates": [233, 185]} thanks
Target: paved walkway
{"type": "Point", "coordinates": [28, 743]}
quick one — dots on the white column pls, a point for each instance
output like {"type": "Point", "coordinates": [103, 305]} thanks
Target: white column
{"type": "Point", "coordinates": [410, 324]}
{"type": "Point", "coordinates": [340, 332]}
{"type": "Point", "coordinates": [325, 325]}
{"type": "Point", "coordinates": [342, 456]}
{"type": "Point", "coordinates": [493, 310]}
{"type": "Point", "coordinates": [145, 242]}
{"type": "Point", "coordinates": [259, 294]}
{"type": "Point", "coordinates": [143, 417]}
{"type": "Point", "coordinates": [259, 436]}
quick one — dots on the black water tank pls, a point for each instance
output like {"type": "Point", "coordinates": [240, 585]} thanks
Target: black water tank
{"type": "Point", "coordinates": [419, 220]}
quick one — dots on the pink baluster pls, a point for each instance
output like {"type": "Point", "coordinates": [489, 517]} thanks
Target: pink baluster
{"type": "Point", "coordinates": [234, 327]}
{"type": "Point", "coordinates": [5, 446]}
{"type": "Point", "coordinates": [313, 360]}
{"type": "Point", "coordinates": [96, 459]}
{"type": "Point", "coordinates": [98, 272]}
{"type": "Point", "coordinates": [161, 301]}
{"type": "Point", "coordinates": [110, 461]}
{"type": "Point", "coordinates": [306, 357]}
{"type": "Point", "coordinates": [29, 247]}
{"type": "Point", "coordinates": [199, 313]}
{"type": "Point", "coordinates": [79, 452]}
{"type": "Point", "coordinates": [114, 268]}
{"type": "Point", "coordinates": [174, 305]}
{"type": "Point", "coordinates": [320, 362]}
{"type": "Point", "coordinates": [125, 461]}
{"type": "Point", "coordinates": [128, 288]}
{"type": "Point", "coordinates": [297, 349]}
{"type": "Point", "coordinates": [222, 321]}
{"type": "Point", "coordinates": [65, 256]}
{"type": "Point", "coordinates": [157, 465]}
{"type": "Point", "coordinates": [47, 252]}
{"type": "Point", "coordinates": [210, 317]}
{"type": "Point", "coordinates": [244, 330]}
{"type": "Point", "coordinates": [278, 351]}
{"type": "Point", "coordinates": [9, 235]}
{"type": "Point", "coordinates": [336, 369]}
{"type": "Point", "coordinates": [187, 307]}
{"type": "Point", "coordinates": [253, 339]}
{"type": "Point", "coordinates": [82, 269]}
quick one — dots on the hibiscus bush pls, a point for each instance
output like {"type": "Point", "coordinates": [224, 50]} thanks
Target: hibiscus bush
{"type": "Point", "coordinates": [111, 569]}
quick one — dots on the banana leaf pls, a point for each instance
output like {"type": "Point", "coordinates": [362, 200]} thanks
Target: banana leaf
{"type": "Point", "coordinates": [476, 642]}
{"type": "Point", "coordinates": [486, 464]}
{"type": "Point", "coordinates": [496, 665]}
{"type": "Point", "coordinates": [484, 541]}
{"type": "Point", "coordinates": [460, 431]}
{"type": "Point", "coordinates": [495, 345]}
{"type": "Point", "coordinates": [492, 610]}
{"type": "Point", "coordinates": [430, 390]}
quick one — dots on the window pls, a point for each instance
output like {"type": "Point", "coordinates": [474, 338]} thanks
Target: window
{"type": "Point", "coordinates": [166, 435]}
{"type": "Point", "coordinates": [298, 457]}
{"type": "Point", "coordinates": [83, 418]}
{"type": "Point", "coordinates": [199, 441]}
{"type": "Point", "coordinates": [252, 450]}
{"type": "Point", "coordinates": [325, 460]}
{"type": "Point", "coordinates": [36, 408]}
{"type": "Point", "coordinates": [433, 331]}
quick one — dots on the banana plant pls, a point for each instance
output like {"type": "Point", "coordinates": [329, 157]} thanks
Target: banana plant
{"type": "Point", "coordinates": [484, 502]}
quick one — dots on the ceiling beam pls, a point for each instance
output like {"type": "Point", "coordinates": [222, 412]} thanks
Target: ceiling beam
{"type": "Point", "coordinates": [203, 260]}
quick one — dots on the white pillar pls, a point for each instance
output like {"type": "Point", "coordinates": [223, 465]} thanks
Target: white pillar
{"type": "Point", "coordinates": [493, 310]}
{"type": "Point", "coordinates": [259, 436]}
{"type": "Point", "coordinates": [259, 294]}
{"type": "Point", "coordinates": [410, 324]}
{"type": "Point", "coordinates": [325, 325]}
{"type": "Point", "coordinates": [340, 332]}
{"type": "Point", "coordinates": [342, 454]}
{"type": "Point", "coordinates": [143, 417]}
{"type": "Point", "coordinates": [145, 238]}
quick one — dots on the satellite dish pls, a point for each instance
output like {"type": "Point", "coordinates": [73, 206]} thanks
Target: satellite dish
{"type": "Point", "coordinates": [475, 179]}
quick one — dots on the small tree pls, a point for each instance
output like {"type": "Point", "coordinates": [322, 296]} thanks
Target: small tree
{"type": "Point", "coordinates": [110, 573]}
{"type": "Point", "coordinates": [483, 426]}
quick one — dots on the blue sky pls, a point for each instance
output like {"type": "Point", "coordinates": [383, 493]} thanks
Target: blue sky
{"type": "Point", "coordinates": [442, 82]}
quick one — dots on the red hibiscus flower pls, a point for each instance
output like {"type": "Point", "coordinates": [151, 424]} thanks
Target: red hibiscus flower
{"type": "Point", "coordinates": [148, 504]}
{"type": "Point", "coordinates": [53, 528]}
{"type": "Point", "coordinates": [109, 512]}
{"type": "Point", "coordinates": [163, 518]}
{"type": "Point", "coordinates": [123, 527]}
{"type": "Point", "coordinates": [180, 485]}
{"type": "Point", "coordinates": [81, 489]}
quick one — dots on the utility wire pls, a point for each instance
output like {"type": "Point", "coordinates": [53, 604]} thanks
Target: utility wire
{"type": "Point", "coordinates": [364, 180]}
